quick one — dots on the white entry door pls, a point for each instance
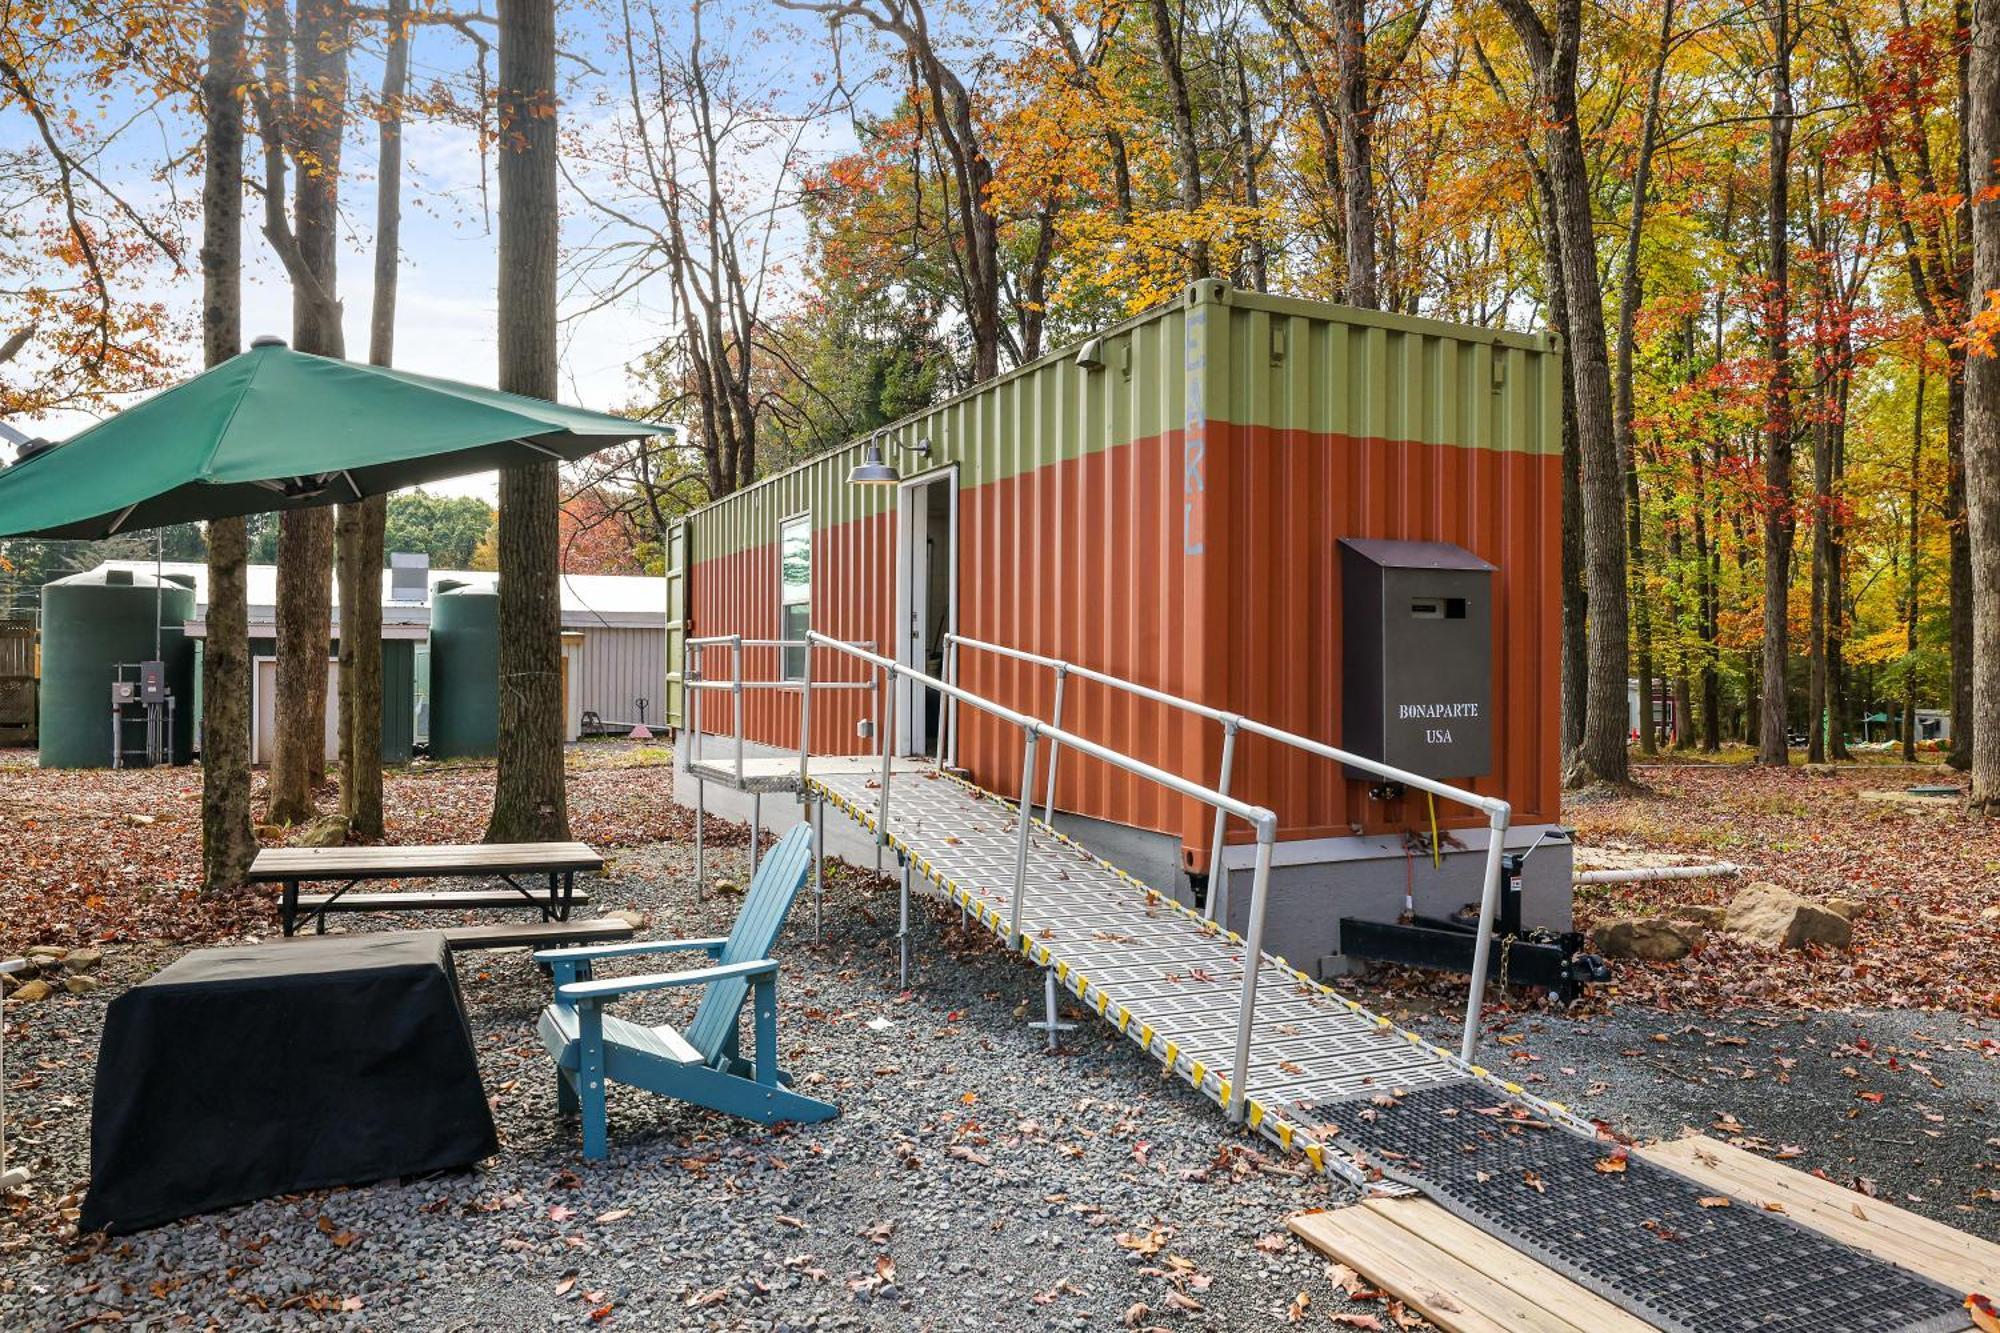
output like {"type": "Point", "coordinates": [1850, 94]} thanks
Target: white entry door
{"type": "Point", "coordinates": [264, 709]}
{"type": "Point", "coordinates": [926, 599]}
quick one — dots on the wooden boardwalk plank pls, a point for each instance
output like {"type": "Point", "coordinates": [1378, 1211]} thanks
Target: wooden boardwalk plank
{"type": "Point", "coordinates": [1454, 1274]}
{"type": "Point", "coordinates": [1960, 1261]}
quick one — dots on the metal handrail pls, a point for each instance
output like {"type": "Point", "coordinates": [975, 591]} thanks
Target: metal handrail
{"type": "Point", "coordinates": [1498, 812]}
{"type": "Point", "coordinates": [696, 683]}
{"type": "Point", "coordinates": [1264, 821]}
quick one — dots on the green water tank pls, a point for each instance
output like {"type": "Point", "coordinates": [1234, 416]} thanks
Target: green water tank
{"type": "Point", "coordinates": [91, 623]}
{"type": "Point", "coordinates": [465, 673]}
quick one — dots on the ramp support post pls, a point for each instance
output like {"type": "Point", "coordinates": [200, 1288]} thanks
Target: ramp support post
{"type": "Point", "coordinates": [1053, 1023]}
{"type": "Point", "coordinates": [700, 868]}
{"type": "Point", "coordinates": [819, 858]}
{"type": "Point", "coordinates": [756, 823]}
{"type": "Point", "coordinates": [903, 925]}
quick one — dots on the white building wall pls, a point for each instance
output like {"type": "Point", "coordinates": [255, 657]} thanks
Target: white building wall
{"type": "Point", "coordinates": [620, 665]}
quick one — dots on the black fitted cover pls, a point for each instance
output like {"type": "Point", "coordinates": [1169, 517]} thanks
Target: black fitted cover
{"type": "Point", "coordinates": [235, 1074]}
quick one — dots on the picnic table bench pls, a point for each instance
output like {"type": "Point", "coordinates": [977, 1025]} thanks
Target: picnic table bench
{"type": "Point", "coordinates": [554, 864]}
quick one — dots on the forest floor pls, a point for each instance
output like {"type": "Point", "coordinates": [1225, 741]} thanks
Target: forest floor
{"type": "Point", "coordinates": [973, 1181]}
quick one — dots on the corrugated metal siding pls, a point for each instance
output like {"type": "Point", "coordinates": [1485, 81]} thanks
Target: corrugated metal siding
{"type": "Point", "coordinates": [619, 666]}
{"type": "Point", "coordinates": [1171, 518]}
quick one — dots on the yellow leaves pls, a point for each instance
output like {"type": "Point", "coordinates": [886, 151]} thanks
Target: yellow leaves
{"type": "Point", "coordinates": [1144, 259]}
{"type": "Point", "coordinates": [1982, 327]}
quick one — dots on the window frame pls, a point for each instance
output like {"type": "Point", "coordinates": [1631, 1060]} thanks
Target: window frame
{"type": "Point", "coordinates": [792, 661]}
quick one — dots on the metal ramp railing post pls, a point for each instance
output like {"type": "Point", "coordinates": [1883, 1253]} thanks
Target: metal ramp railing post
{"type": "Point", "coordinates": [736, 695]}
{"type": "Point", "coordinates": [1497, 811]}
{"type": "Point", "coordinates": [1021, 822]}
{"type": "Point", "coordinates": [1482, 948]}
{"type": "Point", "coordinates": [1218, 878]}
{"type": "Point", "coordinates": [888, 737]}
{"type": "Point", "coordinates": [1253, 961]}
{"type": "Point", "coordinates": [813, 810]}
{"type": "Point", "coordinates": [700, 784]}
{"type": "Point", "coordinates": [1055, 750]}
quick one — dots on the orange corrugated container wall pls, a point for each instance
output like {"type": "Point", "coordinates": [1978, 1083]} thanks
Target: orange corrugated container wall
{"type": "Point", "coordinates": [1164, 504]}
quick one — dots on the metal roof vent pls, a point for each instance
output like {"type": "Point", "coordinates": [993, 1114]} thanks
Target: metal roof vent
{"type": "Point", "coordinates": [409, 577]}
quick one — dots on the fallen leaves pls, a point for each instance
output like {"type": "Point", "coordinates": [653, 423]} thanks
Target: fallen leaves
{"type": "Point", "coordinates": [1714, 1201]}
{"type": "Point", "coordinates": [1151, 1241]}
{"type": "Point", "coordinates": [1921, 940]}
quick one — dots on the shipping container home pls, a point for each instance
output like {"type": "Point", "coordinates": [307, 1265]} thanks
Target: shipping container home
{"type": "Point", "coordinates": [1339, 522]}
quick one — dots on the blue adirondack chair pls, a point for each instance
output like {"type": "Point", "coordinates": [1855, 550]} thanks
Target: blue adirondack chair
{"type": "Point", "coordinates": [702, 1065]}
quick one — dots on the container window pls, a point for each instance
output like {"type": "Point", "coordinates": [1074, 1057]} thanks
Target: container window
{"type": "Point", "coordinates": [794, 591]}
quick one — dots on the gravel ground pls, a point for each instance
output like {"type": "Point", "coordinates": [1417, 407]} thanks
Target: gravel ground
{"type": "Point", "coordinates": [972, 1181]}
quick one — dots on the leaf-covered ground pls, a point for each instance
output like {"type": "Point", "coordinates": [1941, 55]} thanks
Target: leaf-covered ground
{"type": "Point", "coordinates": [109, 856]}
{"type": "Point", "coordinates": [94, 855]}
{"type": "Point", "coordinates": [1927, 875]}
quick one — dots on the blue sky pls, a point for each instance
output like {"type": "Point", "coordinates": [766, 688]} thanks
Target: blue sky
{"type": "Point", "coordinates": [446, 300]}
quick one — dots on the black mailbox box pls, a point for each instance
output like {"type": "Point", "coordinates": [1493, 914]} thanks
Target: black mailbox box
{"type": "Point", "coordinates": [1417, 656]}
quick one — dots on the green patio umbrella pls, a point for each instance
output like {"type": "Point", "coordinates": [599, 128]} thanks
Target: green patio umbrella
{"type": "Point", "coordinates": [275, 429]}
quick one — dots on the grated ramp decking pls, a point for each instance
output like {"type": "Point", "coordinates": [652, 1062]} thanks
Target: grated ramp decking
{"type": "Point", "coordinates": [1639, 1235]}
{"type": "Point", "coordinates": [1159, 973]}
{"type": "Point", "coordinates": [1369, 1102]}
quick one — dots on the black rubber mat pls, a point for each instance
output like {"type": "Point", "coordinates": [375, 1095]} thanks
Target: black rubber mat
{"type": "Point", "coordinates": [1637, 1235]}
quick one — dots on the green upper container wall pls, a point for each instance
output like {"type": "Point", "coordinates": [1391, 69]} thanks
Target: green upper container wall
{"type": "Point", "coordinates": [1239, 357]}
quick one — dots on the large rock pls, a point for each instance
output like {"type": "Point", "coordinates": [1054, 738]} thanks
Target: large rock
{"type": "Point", "coordinates": [1645, 937]}
{"type": "Point", "coordinates": [31, 991]}
{"type": "Point", "coordinates": [84, 959]}
{"type": "Point", "coordinates": [1780, 919]}
{"type": "Point", "coordinates": [1701, 914]}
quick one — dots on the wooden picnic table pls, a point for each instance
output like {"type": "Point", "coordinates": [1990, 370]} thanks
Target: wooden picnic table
{"type": "Point", "coordinates": [554, 863]}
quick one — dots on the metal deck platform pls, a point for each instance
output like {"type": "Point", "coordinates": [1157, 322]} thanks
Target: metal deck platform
{"type": "Point", "coordinates": [1162, 975]}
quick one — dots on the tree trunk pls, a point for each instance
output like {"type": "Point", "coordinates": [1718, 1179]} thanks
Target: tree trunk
{"type": "Point", "coordinates": [1836, 562]}
{"type": "Point", "coordinates": [1166, 35]}
{"type": "Point", "coordinates": [1960, 586]}
{"type": "Point", "coordinates": [1629, 290]}
{"type": "Point", "coordinates": [227, 840]}
{"type": "Point", "coordinates": [1822, 554]}
{"type": "Point", "coordinates": [1575, 597]}
{"type": "Point", "coordinates": [1913, 587]}
{"type": "Point", "coordinates": [362, 525]}
{"type": "Point", "coordinates": [305, 536]}
{"type": "Point", "coordinates": [1779, 521]}
{"type": "Point", "coordinates": [529, 800]}
{"type": "Point", "coordinates": [1350, 20]}
{"type": "Point", "coordinates": [1602, 756]}
{"type": "Point", "coordinates": [1982, 409]}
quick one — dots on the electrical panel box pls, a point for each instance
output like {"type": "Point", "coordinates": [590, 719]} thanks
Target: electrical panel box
{"type": "Point", "coordinates": [123, 692]}
{"type": "Point", "coordinates": [152, 682]}
{"type": "Point", "coordinates": [1417, 656]}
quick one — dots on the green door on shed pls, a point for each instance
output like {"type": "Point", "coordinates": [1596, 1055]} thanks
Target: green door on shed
{"type": "Point", "coordinates": [677, 612]}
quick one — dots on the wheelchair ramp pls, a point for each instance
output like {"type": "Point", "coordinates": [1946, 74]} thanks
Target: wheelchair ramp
{"type": "Point", "coordinates": [1376, 1105]}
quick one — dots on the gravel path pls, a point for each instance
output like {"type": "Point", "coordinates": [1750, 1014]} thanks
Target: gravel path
{"type": "Point", "coordinates": [972, 1181]}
